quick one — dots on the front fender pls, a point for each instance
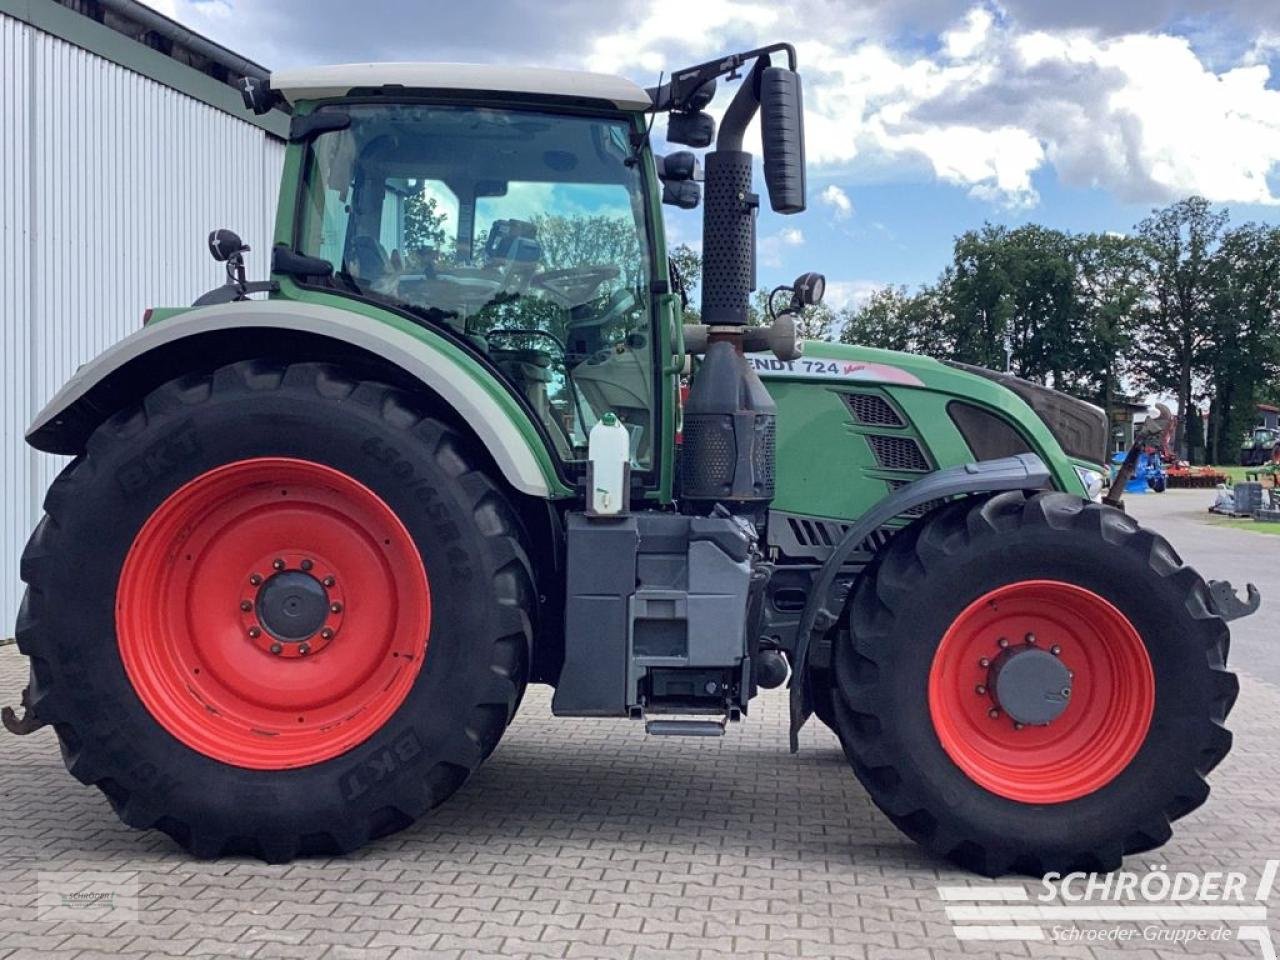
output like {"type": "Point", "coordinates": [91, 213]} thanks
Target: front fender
{"type": "Point", "coordinates": [64, 425]}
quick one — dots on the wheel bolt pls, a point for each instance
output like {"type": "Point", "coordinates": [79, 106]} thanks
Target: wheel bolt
{"type": "Point", "coordinates": [255, 579]}
{"type": "Point", "coordinates": [993, 713]}
{"type": "Point", "coordinates": [255, 632]}
{"type": "Point", "coordinates": [276, 648]}
{"type": "Point", "coordinates": [304, 648]}
{"type": "Point", "coordinates": [278, 563]}
{"type": "Point", "coordinates": [246, 606]}
{"type": "Point", "coordinates": [1066, 691]}
{"type": "Point", "coordinates": [335, 607]}
{"type": "Point", "coordinates": [1002, 642]}
{"type": "Point", "coordinates": [326, 634]}
{"type": "Point", "coordinates": [329, 581]}
{"type": "Point", "coordinates": [984, 662]}
{"type": "Point", "coordinates": [1055, 650]}
{"type": "Point", "coordinates": [306, 564]}
{"type": "Point", "coordinates": [1016, 725]}
{"type": "Point", "coordinates": [980, 689]}
{"type": "Point", "coordinates": [1031, 639]}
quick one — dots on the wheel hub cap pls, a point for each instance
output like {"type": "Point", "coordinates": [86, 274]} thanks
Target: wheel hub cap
{"type": "Point", "coordinates": [1031, 685]}
{"type": "Point", "coordinates": [292, 605]}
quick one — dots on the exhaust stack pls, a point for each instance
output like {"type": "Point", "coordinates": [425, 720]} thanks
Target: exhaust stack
{"type": "Point", "coordinates": [729, 418]}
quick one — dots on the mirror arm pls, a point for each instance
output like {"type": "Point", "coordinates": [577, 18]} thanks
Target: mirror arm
{"type": "Point", "coordinates": [684, 83]}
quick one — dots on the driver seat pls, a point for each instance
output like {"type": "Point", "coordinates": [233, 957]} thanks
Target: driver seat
{"type": "Point", "coordinates": [367, 259]}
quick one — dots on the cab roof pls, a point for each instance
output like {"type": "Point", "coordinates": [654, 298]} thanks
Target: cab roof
{"type": "Point", "coordinates": [319, 83]}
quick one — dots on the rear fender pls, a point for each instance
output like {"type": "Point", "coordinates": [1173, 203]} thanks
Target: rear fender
{"type": "Point", "coordinates": [123, 373]}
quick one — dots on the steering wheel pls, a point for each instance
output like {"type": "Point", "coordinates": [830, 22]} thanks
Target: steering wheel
{"type": "Point", "coordinates": [574, 285]}
{"type": "Point", "coordinates": [619, 302]}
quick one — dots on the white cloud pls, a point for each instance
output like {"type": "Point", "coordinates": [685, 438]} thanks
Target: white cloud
{"type": "Point", "coordinates": [968, 37]}
{"type": "Point", "coordinates": [984, 94]}
{"type": "Point", "coordinates": [993, 103]}
{"type": "Point", "coordinates": [694, 27]}
{"type": "Point", "coordinates": [837, 200]}
{"type": "Point", "coordinates": [850, 293]}
{"type": "Point", "coordinates": [769, 249]}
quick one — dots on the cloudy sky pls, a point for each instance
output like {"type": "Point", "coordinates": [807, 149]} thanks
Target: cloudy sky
{"type": "Point", "coordinates": [923, 117]}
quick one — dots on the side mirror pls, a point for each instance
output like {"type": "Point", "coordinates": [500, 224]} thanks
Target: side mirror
{"type": "Point", "coordinates": [782, 134]}
{"type": "Point", "coordinates": [682, 165]}
{"type": "Point", "coordinates": [695, 129]}
{"type": "Point", "coordinates": [225, 244]}
{"type": "Point", "coordinates": [684, 194]}
{"type": "Point", "coordinates": [257, 94]}
{"type": "Point", "coordinates": [294, 264]}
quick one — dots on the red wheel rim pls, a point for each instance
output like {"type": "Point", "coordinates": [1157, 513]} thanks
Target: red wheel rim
{"type": "Point", "coordinates": [1105, 720]}
{"type": "Point", "coordinates": [273, 613]}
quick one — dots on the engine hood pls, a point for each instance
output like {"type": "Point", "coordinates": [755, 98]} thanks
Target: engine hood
{"type": "Point", "coordinates": [1078, 426]}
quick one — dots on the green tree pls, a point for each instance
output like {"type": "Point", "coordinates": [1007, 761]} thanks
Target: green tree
{"type": "Point", "coordinates": [883, 320]}
{"type": "Point", "coordinates": [1177, 329]}
{"type": "Point", "coordinates": [1109, 292]}
{"type": "Point", "coordinates": [1015, 287]}
{"type": "Point", "coordinates": [686, 263]}
{"type": "Point", "coordinates": [893, 319]}
{"type": "Point", "coordinates": [1244, 356]}
{"type": "Point", "coordinates": [979, 297]}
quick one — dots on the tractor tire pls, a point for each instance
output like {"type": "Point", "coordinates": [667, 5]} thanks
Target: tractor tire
{"type": "Point", "coordinates": [1078, 595]}
{"type": "Point", "coordinates": [822, 698]}
{"type": "Point", "coordinates": [275, 611]}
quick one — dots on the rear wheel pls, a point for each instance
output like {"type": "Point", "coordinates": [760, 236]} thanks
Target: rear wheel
{"type": "Point", "coordinates": [1033, 683]}
{"type": "Point", "coordinates": [275, 611]}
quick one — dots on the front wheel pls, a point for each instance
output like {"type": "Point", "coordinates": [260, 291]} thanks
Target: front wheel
{"type": "Point", "coordinates": [1033, 683]}
{"type": "Point", "coordinates": [275, 610]}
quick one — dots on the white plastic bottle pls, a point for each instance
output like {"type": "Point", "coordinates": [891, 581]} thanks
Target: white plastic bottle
{"type": "Point", "coordinates": [609, 452]}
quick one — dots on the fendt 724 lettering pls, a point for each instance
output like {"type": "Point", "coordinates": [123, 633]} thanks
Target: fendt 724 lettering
{"type": "Point", "coordinates": [321, 530]}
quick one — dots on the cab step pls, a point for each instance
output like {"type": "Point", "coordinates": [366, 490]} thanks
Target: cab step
{"type": "Point", "coordinates": [685, 728]}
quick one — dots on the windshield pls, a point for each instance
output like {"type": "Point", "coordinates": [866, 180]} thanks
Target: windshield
{"type": "Point", "coordinates": [522, 231]}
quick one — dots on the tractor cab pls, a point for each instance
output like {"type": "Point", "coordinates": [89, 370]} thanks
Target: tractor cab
{"type": "Point", "coordinates": [522, 228]}
{"type": "Point", "coordinates": [518, 212]}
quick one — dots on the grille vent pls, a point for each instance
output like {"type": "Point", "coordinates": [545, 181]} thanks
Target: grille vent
{"type": "Point", "coordinates": [871, 410]}
{"type": "Point", "coordinates": [816, 533]}
{"type": "Point", "coordinates": [707, 456]}
{"type": "Point", "coordinates": [898, 453]}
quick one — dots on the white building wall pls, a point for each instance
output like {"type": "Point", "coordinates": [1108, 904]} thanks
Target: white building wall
{"type": "Point", "coordinates": [109, 185]}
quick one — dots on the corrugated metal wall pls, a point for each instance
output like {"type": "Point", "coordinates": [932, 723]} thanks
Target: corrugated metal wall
{"type": "Point", "coordinates": [109, 185]}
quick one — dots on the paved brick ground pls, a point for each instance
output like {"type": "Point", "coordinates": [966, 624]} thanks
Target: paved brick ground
{"type": "Point", "coordinates": [577, 839]}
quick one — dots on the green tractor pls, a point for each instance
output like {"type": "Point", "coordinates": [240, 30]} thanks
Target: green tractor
{"type": "Point", "coordinates": [312, 546]}
{"type": "Point", "coordinates": [1261, 445]}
